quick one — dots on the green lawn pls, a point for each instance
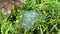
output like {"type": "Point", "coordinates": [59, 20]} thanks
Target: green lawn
{"type": "Point", "coordinates": [36, 17]}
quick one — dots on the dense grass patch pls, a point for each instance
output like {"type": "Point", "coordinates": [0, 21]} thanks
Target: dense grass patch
{"type": "Point", "coordinates": [36, 17]}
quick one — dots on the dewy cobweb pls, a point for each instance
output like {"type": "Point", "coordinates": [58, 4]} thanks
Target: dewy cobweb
{"type": "Point", "coordinates": [30, 19]}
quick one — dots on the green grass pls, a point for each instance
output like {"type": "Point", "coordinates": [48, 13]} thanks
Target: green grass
{"type": "Point", "coordinates": [47, 23]}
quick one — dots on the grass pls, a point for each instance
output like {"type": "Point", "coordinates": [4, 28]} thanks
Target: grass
{"type": "Point", "coordinates": [47, 23]}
